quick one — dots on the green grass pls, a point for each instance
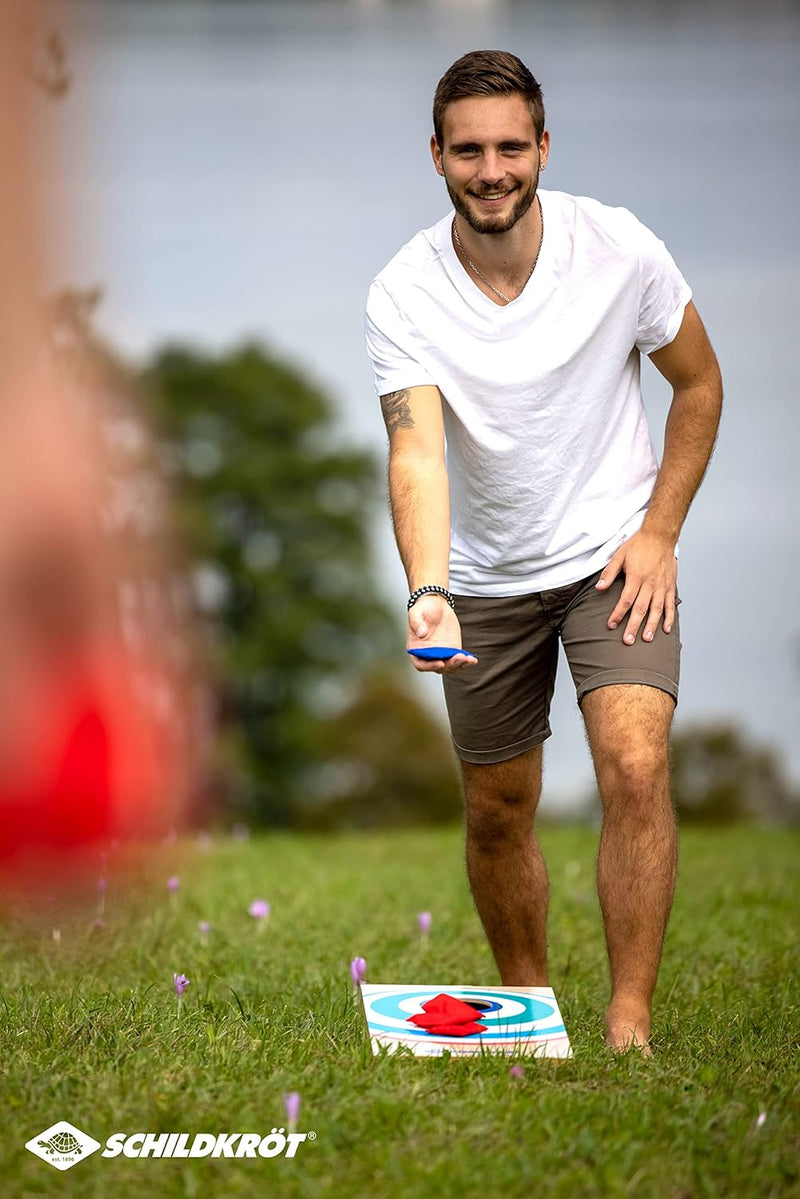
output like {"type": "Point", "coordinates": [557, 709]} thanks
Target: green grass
{"type": "Point", "coordinates": [91, 1032]}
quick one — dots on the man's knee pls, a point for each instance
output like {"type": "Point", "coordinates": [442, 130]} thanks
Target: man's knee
{"type": "Point", "coordinates": [634, 783]}
{"type": "Point", "coordinates": [500, 799]}
{"type": "Point", "coordinates": [635, 770]}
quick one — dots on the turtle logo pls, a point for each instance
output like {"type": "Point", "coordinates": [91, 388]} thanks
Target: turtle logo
{"type": "Point", "coordinates": [63, 1145]}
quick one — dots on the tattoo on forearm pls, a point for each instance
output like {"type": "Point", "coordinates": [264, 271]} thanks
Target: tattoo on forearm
{"type": "Point", "coordinates": [396, 411]}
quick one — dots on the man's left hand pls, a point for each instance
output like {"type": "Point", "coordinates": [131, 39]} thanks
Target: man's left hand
{"type": "Point", "coordinates": [651, 570]}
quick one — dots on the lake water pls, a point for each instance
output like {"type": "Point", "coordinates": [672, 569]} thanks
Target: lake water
{"type": "Point", "coordinates": [245, 169]}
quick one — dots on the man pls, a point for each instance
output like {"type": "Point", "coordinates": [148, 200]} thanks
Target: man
{"type": "Point", "coordinates": [511, 333]}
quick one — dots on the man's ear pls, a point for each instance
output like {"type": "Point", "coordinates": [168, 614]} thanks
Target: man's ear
{"type": "Point", "coordinates": [436, 154]}
{"type": "Point", "coordinates": [544, 148]}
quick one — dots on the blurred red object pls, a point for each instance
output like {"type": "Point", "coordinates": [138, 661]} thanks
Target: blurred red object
{"type": "Point", "coordinates": [92, 763]}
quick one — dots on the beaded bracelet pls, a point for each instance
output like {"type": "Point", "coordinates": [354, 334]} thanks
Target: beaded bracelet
{"type": "Point", "coordinates": [431, 589]}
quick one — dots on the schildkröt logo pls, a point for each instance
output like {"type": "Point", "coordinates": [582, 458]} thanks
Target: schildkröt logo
{"type": "Point", "coordinates": [64, 1145]}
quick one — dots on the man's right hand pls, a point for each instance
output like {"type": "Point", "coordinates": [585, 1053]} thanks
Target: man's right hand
{"type": "Point", "coordinates": [433, 622]}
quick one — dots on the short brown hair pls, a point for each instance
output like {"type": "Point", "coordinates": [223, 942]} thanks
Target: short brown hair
{"type": "Point", "coordinates": [487, 73]}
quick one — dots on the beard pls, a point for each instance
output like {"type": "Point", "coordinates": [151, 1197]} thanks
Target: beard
{"type": "Point", "coordinates": [491, 223]}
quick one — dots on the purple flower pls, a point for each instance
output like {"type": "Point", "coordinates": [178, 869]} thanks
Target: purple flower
{"type": "Point", "coordinates": [259, 909]}
{"type": "Point", "coordinates": [204, 927]}
{"type": "Point", "coordinates": [291, 1103]}
{"type": "Point", "coordinates": [102, 886]}
{"type": "Point", "coordinates": [358, 970]}
{"type": "Point", "coordinates": [173, 882]}
{"type": "Point", "coordinates": [181, 983]}
{"type": "Point", "coordinates": [516, 1072]}
{"type": "Point", "coordinates": [424, 922]}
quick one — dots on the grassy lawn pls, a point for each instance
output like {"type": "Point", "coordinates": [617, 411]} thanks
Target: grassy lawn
{"type": "Point", "coordinates": [91, 1031]}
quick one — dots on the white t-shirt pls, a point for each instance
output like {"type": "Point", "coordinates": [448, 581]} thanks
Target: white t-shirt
{"type": "Point", "coordinates": [548, 451]}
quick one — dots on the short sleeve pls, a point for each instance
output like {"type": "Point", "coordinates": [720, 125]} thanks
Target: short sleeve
{"type": "Point", "coordinates": [663, 294]}
{"type": "Point", "coordinates": [389, 345]}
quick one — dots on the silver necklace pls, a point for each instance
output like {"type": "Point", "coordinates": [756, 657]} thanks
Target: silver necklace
{"type": "Point", "coordinates": [480, 274]}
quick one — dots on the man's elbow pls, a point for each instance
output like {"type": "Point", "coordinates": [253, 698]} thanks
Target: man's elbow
{"type": "Point", "coordinates": [405, 459]}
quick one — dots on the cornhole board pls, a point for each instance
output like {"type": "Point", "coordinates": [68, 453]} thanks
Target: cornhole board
{"type": "Point", "coordinates": [518, 1020]}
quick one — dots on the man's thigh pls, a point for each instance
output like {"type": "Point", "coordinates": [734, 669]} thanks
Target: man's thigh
{"type": "Point", "coordinates": [599, 658]}
{"type": "Point", "coordinates": [628, 727]}
{"type": "Point", "coordinates": [500, 708]}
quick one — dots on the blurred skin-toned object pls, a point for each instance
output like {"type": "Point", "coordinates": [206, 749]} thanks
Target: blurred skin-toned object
{"type": "Point", "coordinates": [96, 656]}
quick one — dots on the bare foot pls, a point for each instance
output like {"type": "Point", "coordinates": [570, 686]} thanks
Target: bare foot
{"type": "Point", "coordinates": [627, 1028]}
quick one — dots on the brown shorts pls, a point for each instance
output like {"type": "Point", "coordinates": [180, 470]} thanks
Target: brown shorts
{"type": "Point", "coordinates": [500, 708]}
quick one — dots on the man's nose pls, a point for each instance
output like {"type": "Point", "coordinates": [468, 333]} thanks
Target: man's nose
{"type": "Point", "coordinates": [492, 168]}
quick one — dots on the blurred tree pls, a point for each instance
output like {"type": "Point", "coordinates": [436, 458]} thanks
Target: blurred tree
{"type": "Point", "coordinates": [718, 775]}
{"type": "Point", "coordinates": [275, 518]}
{"type": "Point", "coordinates": [386, 764]}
